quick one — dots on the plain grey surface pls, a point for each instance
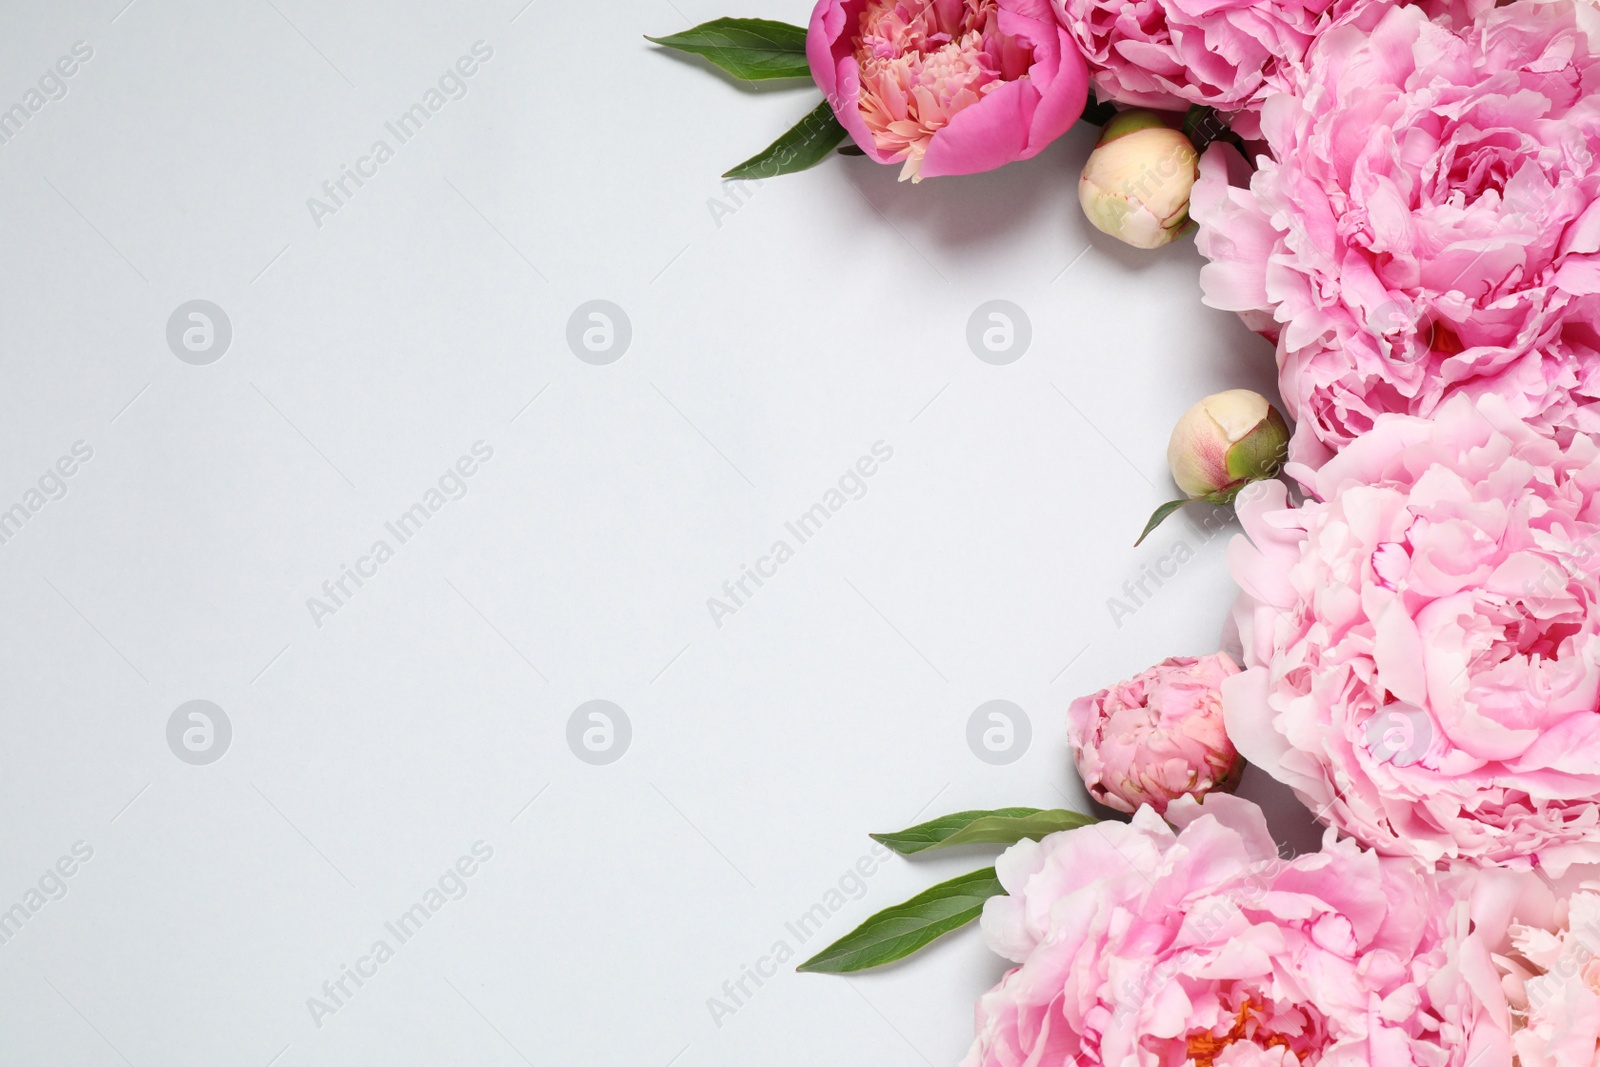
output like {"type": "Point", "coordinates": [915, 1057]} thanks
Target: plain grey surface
{"type": "Point", "coordinates": [358, 750]}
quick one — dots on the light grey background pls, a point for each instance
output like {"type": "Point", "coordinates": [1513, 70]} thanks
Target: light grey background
{"type": "Point", "coordinates": [775, 339]}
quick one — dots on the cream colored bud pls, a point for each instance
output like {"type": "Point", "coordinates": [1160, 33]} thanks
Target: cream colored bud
{"type": "Point", "coordinates": [1226, 439]}
{"type": "Point", "coordinates": [1135, 186]}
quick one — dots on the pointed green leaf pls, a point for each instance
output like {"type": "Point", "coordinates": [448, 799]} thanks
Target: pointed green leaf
{"type": "Point", "coordinates": [805, 145]}
{"type": "Point", "coordinates": [1162, 514]}
{"type": "Point", "coordinates": [897, 932]}
{"type": "Point", "coordinates": [1003, 826]}
{"type": "Point", "coordinates": [750, 49]}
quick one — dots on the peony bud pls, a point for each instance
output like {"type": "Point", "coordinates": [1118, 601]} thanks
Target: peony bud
{"type": "Point", "coordinates": [1225, 441]}
{"type": "Point", "coordinates": [1136, 184]}
{"type": "Point", "coordinates": [1222, 444]}
{"type": "Point", "coordinates": [1157, 737]}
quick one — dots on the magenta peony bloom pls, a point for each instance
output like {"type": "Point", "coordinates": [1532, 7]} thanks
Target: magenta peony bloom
{"type": "Point", "coordinates": [1427, 222]}
{"type": "Point", "coordinates": [1232, 55]}
{"type": "Point", "coordinates": [947, 86]}
{"type": "Point", "coordinates": [1157, 736]}
{"type": "Point", "coordinates": [1422, 641]}
{"type": "Point", "coordinates": [1139, 947]}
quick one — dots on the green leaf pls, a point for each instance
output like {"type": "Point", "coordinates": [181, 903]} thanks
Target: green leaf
{"type": "Point", "coordinates": [1096, 112]}
{"type": "Point", "coordinates": [1003, 826]}
{"type": "Point", "coordinates": [805, 145]}
{"type": "Point", "coordinates": [895, 933]}
{"type": "Point", "coordinates": [750, 49]}
{"type": "Point", "coordinates": [1161, 515]}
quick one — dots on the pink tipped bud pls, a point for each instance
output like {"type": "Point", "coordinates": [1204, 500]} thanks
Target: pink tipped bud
{"type": "Point", "coordinates": [1225, 441]}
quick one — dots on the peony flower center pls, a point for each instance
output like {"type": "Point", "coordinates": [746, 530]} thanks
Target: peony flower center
{"type": "Point", "coordinates": [1205, 1047]}
{"type": "Point", "coordinates": [1483, 166]}
{"type": "Point", "coordinates": [1517, 631]}
{"type": "Point", "coordinates": [922, 61]}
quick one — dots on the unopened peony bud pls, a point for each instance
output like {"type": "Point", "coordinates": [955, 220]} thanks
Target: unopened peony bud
{"type": "Point", "coordinates": [1156, 737]}
{"type": "Point", "coordinates": [1225, 441]}
{"type": "Point", "coordinates": [1222, 444]}
{"type": "Point", "coordinates": [1136, 184]}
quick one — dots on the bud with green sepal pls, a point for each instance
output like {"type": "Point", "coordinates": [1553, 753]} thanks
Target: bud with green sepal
{"type": "Point", "coordinates": [1221, 445]}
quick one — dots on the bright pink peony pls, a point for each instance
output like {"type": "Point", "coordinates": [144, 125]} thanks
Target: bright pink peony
{"type": "Point", "coordinates": [1422, 641]}
{"type": "Point", "coordinates": [1156, 737]}
{"type": "Point", "coordinates": [1230, 55]}
{"type": "Point", "coordinates": [1139, 947]}
{"type": "Point", "coordinates": [1428, 222]}
{"type": "Point", "coordinates": [947, 86]}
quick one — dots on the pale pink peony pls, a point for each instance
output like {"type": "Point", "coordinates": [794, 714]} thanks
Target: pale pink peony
{"type": "Point", "coordinates": [1543, 935]}
{"type": "Point", "coordinates": [1427, 221]}
{"type": "Point", "coordinates": [1422, 639]}
{"type": "Point", "coordinates": [947, 86]}
{"type": "Point", "coordinates": [1230, 55]}
{"type": "Point", "coordinates": [1553, 984]}
{"type": "Point", "coordinates": [1141, 947]}
{"type": "Point", "coordinates": [1156, 737]}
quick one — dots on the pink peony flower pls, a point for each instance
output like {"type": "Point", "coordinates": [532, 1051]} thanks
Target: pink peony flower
{"type": "Point", "coordinates": [1542, 935]}
{"type": "Point", "coordinates": [1231, 55]}
{"type": "Point", "coordinates": [1427, 221]}
{"type": "Point", "coordinates": [1141, 947]}
{"type": "Point", "coordinates": [1157, 736]}
{"type": "Point", "coordinates": [1422, 640]}
{"type": "Point", "coordinates": [947, 86]}
{"type": "Point", "coordinates": [1553, 985]}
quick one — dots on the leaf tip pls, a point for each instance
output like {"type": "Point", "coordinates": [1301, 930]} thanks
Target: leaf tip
{"type": "Point", "coordinates": [1160, 516]}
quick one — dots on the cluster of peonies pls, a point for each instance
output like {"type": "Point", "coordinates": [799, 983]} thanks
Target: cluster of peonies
{"type": "Point", "coordinates": [1419, 213]}
{"type": "Point", "coordinates": [1411, 214]}
{"type": "Point", "coordinates": [946, 87]}
{"type": "Point", "coordinates": [1405, 201]}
